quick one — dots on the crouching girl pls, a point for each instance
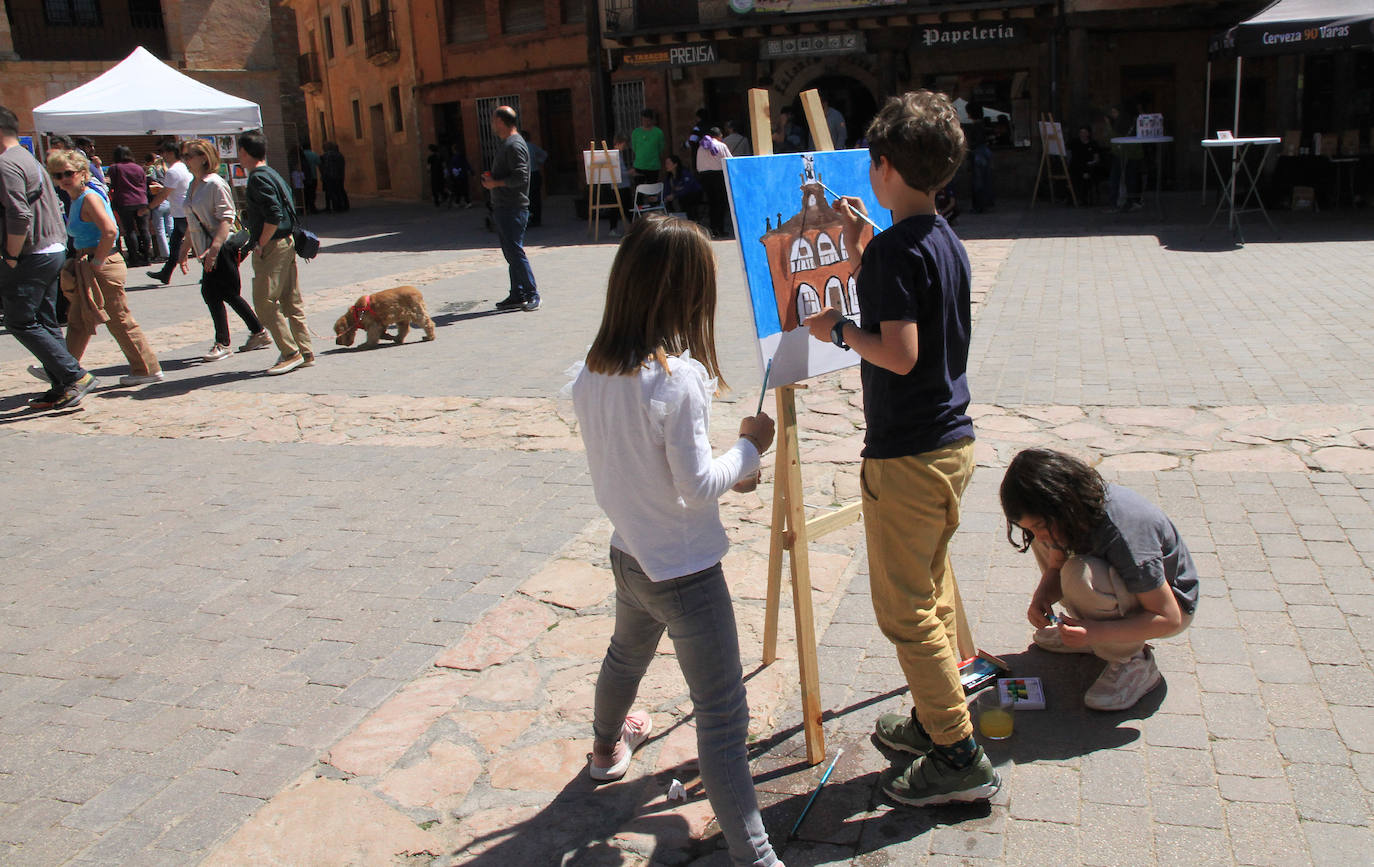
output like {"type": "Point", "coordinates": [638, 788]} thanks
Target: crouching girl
{"type": "Point", "coordinates": [1114, 560]}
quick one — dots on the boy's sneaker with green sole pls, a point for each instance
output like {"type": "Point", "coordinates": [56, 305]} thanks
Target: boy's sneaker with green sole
{"type": "Point", "coordinates": [930, 780]}
{"type": "Point", "coordinates": [900, 732]}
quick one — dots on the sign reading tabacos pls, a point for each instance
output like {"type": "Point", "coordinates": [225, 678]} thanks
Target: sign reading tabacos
{"type": "Point", "coordinates": [969, 35]}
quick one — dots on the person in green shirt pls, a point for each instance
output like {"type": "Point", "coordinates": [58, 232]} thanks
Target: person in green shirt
{"type": "Point", "coordinates": [647, 143]}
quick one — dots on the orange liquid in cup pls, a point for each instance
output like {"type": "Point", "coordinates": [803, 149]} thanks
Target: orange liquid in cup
{"type": "Point", "coordinates": [995, 723]}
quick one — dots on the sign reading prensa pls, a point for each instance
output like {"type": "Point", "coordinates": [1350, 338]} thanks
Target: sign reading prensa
{"type": "Point", "coordinates": [812, 46]}
{"type": "Point", "coordinates": [674, 55]}
{"type": "Point", "coordinates": [971, 35]}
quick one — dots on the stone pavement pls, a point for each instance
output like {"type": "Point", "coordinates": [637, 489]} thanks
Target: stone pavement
{"type": "Point", "coordinates": [354, 614]}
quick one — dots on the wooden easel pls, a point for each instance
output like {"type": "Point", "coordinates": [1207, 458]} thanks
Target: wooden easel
{"type": "Point", "coordinates": [791, 531]}
{"type": "Point", "coordinates": [602, 172]}
{"type": "Point", "coordinates": [1052, 145]}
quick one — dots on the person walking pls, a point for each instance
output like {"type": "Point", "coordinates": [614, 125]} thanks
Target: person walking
{"type": "Point", "coordinates": [737, 142]}
{"type": "Point", "coordinates": [31, 258]}
{"type": "Point", "coordinates": [310, 165]}
{"type": "Point", "coordinates": [129, 195]}
{"type": "Point", "coordinates": [437, 161]}
{"type": "Point", "coordinates": [538, 156]}
{"type": "Point", "coordinates": [175, 182]}
{"type": "Point", "coordinates": [159, 212]}
{"type": "Point", "coordinates": [93, 279]}
{"type": "Point", "coordinates": [210, 217]}
{"type": "Point", "coordinates": [332, 170]}
{"type": "Point", "coordinates": [643, 404]}
{"type": "Point", "coordinates": [269, 218]}
{"type": "Point", "coordinates": [509, 185]}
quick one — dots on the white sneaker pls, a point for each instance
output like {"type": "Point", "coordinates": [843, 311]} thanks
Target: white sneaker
{"type": "Point", "coordinates": [140, 379]}
{"type": "Point", "coordinates": [216, 353]}
{"type": "Point", "coordinates": [634, 732]}
{"type": "Point", "coordinates": [1123, 684]}
{"type": "Point", "coordinates": [1047, 638]}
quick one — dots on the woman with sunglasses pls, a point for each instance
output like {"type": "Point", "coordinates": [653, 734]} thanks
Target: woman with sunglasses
{"type": "Point", "coordinates": [93, 278]}
{"type": "Point", "coordinates": [209, 220]}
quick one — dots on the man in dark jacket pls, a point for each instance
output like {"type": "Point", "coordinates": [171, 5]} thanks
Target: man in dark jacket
{"type": "Point", "coordinates": [269, 218]}
{"type": "Point", "coordinates": [509, 183]}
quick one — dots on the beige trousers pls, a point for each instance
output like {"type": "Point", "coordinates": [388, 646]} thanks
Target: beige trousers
{"type": "Point", "coordinates": [277, 297]}
{"type": "Point", "coordinates": [91, 289]}
{"type": "Point", "coordinates": [1094, 591]}
{"type": "Point", "coordinates": [911, 510]}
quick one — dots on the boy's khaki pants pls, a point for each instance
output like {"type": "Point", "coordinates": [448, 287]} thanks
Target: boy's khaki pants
{"type": "Point", "coordinates": [277, 296]}
{"type": "Point", "coordinates": [911, 510]}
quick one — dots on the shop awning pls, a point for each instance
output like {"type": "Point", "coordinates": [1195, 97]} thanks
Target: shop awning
{"type": "Point", "coordinates": [1299, 27]}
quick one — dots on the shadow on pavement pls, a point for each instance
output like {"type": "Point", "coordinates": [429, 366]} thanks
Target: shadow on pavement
{"type": "Point", "coordinates": [177, 387]}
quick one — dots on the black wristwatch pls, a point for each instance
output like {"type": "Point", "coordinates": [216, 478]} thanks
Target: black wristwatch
{"type": "Point", "coordinates": [837, 333]}
{"type": "Point", "coordinates": [14, 259]}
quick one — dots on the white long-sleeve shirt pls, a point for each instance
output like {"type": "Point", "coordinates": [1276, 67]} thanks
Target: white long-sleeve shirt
{"type": "Point", "coordinates": [651, 464]}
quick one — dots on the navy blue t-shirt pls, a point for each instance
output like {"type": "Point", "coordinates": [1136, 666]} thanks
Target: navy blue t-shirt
{"type": "Point", "coordinates": [917, 271]}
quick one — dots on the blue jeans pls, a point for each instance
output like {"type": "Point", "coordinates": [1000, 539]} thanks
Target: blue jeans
{"type": "Point", "coordinates": [29, 293]}
{"type": "Point", "coordinates": [698, 614]}
{"type": "Point", "coordinates": [982, 179]}
{"type": "Point", "coordinates": [510, 228]}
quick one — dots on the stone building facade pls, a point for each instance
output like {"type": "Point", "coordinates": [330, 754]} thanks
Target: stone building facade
{"type": "Point", "coordinates": [243, 47]}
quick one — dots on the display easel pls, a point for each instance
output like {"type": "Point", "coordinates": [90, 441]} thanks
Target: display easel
{"type": "Point", "coordinates": [600, 171]}
{"type": "Point", "coordinates": [791, 531]}
{"type": "Point", "coordinates": [1052, 145]}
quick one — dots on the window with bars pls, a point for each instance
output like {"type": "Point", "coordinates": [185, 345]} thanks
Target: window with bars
{"type": "Point", "coordinates": [465, 20]}
{"type": "Point", "coordinates": [81, 13]}
{"type": "Point", "coordinates": [627, 101]}
{"type": "Point", "coordinates": [522, 16]}
{"type": "Point", "coordinates": [485, 137]}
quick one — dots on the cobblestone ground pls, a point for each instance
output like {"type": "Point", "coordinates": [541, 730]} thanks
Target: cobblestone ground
{"type": "Point", "coordinates": [354, 614]}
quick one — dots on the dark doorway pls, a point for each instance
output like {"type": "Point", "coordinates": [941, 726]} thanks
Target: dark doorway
{"type": "Point", "coordinates": [381, 159]}
{"type": "Point", "coordinates": [726, 100]}
{"type": "Point", "coordinates": [448, 124]}
{"type": "Point", "coordinates": [556, 128]}
{"type": "Point", "coordinates": [855, 101]}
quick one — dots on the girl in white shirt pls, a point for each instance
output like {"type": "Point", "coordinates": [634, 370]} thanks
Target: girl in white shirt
{"type": "Point", "coordinates": [643, 404]}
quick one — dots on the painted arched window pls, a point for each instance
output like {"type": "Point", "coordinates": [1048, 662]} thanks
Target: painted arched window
{"type": "Point", "coordinates": [844, 254]}
{"type": "Point", "coordinates": [808, 302]}
{"type": "Point", "coordinates": [834, 293]}
{"type": "Point", "coordinates": [851, 295]}
{"type": "Point", "coordinates": [803, 257]}
{"type": "Point", "coordinates": [826, 248]}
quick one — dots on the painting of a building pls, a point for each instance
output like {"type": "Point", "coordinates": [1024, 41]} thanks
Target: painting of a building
{"type": "Point", "coordinates": [807, 258]}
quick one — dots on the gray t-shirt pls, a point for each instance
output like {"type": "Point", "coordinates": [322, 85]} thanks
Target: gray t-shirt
{"type": "Point", "coordinates": [1140, 542]}
{"type": "Point", "coordinates": [28, 202]}
{"type": "Point", "coordinates": [512, 165]}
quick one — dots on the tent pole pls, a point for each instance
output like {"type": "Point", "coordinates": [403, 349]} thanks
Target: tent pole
{"type": "Point", "coordinates": [1235, 126]}
{"type": "Point", "coordinates": [1235, 151]}
{"type": "Point", "coordinates": [1206, 127]}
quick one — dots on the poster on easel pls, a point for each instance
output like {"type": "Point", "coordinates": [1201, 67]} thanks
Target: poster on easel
{"type": "Point", "coordinates": [607, 171]}
{"type": "Point", "coordinates": [796, 262]}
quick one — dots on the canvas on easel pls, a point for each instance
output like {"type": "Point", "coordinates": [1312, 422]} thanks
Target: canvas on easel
{"type": "Point", "coordinates": [1052, 147]}
{"type": "Point", "coordinates": [602, 168]}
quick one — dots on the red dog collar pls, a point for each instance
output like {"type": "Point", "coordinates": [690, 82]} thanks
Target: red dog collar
{"type": "Point", "coordinates": [355, 312]}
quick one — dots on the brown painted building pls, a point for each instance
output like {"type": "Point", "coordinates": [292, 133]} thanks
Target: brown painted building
{"type": "Point", "coordinates": [1018, 58]}
{"type": "Point", "coordinates": [432, 71]}
{"type": "Point", "coordinates": [243, 47]}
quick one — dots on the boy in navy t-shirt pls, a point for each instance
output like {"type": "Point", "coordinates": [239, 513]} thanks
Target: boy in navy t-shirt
{"type": "Point", "coordinates": [913, 337]}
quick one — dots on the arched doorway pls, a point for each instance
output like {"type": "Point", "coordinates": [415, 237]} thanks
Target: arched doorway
{"type": "Point", "coordinates": [854, 100]}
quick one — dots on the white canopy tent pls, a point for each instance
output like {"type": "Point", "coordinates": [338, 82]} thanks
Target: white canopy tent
{"type": "Point", "coordinates": [144, 96]}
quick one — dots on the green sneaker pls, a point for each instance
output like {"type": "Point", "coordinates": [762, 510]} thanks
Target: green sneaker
{"type": "Point", "coordinates": [899, 731]}
{"type": "Point", "coordinates": [931, 780]}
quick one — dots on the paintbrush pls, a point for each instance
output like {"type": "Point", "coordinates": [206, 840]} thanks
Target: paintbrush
{"type": "Point", "coordinates": [858, 213]}
{"type": "Point", "coordinates": [764, 390]}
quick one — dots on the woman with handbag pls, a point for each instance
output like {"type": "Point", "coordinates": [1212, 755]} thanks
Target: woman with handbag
{"type": "Point", "coordinates": [209, 232]}
{"type": "Point", "coordinates": [94, 276]}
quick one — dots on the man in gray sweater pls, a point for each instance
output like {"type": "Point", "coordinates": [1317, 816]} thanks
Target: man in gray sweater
{"type": "Point", "coordinates": [509, 183]}
{"type": "Point", "coordinates": [35, 248]}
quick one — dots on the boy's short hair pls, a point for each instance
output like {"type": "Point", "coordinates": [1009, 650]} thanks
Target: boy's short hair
{"type": "Point", "coordinates": [9, 123]}
{"type": "Point", "coordinates": [919, 133]}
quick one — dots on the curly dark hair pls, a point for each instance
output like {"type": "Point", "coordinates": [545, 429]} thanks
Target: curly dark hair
{"type": "Point", "coordinates": [919, 133]}
{"type": "Point", "coordinates": [1057, 488]}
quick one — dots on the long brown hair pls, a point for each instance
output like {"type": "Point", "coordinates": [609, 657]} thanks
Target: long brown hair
{"type": "Point", "coordinates": [660, 299]}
